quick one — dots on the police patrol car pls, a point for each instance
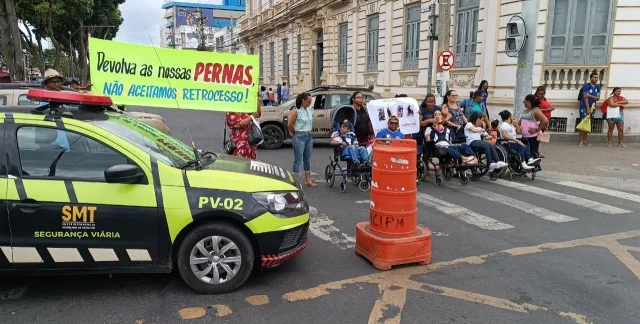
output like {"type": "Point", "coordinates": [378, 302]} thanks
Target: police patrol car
{"type": "Point", "coordinates": [93, 191]}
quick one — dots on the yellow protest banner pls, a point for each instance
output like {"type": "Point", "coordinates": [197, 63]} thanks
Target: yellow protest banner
{"type": "Point", "coordinates": [141, 75]}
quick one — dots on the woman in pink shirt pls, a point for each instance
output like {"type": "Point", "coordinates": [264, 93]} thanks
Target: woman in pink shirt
{"type": "Point", "coordinates": [616, 100]}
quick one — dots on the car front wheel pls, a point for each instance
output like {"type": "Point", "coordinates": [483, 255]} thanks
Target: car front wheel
{"type": "Point", "coordinates": [215, 258]}
{"type": "Point", "coordinates": [273, 137]}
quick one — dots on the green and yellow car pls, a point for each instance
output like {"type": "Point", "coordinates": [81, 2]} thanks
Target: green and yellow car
{"type": "Point", "coordinates": [92, 191]}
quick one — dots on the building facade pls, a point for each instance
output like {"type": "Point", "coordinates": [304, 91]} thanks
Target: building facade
{"type": "Point", "coordinates": [385, 43]}
{"type": "Point", "coordinates": [185, 25]}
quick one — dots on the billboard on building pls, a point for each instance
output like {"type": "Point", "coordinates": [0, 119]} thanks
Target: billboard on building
{"type": "Point", "coordinates": [211, 17]}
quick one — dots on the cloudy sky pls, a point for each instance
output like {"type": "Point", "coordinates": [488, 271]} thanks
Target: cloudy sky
{"type": "Point", "coordinates": [137, 15]}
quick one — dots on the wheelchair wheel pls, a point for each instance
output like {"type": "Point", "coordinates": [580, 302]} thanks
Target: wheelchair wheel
{"type": "Point", "coordinates": [482, 168]}
{"type": "Point", "coordinates": [464, 179]}
{"type": "Point", "coordinates": [493, 176]}
{"type": "Point", "coordinates": [447, 173]}
{"type": "Point", "coordinates": [343, 186]}
{"type": "Point", "coordinates": [364, 185]}
{"type": "Point", "coordinates": [503, 156]}
{"type": "Point", "coordinates": [329, 175]}
{"type": "Point", "coordinates": [439, 181]}
{"type": "Point", "coordinates": [422, 170]}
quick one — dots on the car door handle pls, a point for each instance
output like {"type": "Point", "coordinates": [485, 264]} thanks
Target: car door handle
{"type": "Point", "coordinates": [321, 115]}
{"type": "Point", "coordinates": [28, 205]}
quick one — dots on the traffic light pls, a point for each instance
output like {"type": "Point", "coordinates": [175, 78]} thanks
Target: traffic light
{"type": "Point", "coordinates": [516, 36]}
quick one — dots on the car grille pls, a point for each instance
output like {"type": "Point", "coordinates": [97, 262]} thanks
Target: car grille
{"type": "Point", "coordinates": [293, 237]}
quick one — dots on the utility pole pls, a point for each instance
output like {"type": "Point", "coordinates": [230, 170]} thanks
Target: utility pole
{"type": "Point", "coordinates": [444, 31]}
{"type": "Point", "coordinates": [432, 38]}
{"type": "Point", "coordinates": [524, 74]}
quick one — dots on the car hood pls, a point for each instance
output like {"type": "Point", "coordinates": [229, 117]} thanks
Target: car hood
{"type": "Point", "coordinates": [142, 115]}
{"type": "Point", "coordinates": [259, 176]}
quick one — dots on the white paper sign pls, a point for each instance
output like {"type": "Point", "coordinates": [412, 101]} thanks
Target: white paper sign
{"type": "Point", "coordinates": [406, 109]}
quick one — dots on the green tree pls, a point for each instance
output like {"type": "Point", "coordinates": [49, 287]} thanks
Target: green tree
{"type": "Point", "coordinates": [66, 23]}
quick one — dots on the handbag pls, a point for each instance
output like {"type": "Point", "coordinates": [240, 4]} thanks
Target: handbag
{"type": "Point", "coordinates": [228, 145]}
{"type": "Point", "coordinates": [525, 124]}
{"type": "Point", "coordinates": [613, 112]}
{"type": "Point", "coordinates": [255, 133]}
{"type": "Point", "coordinates": [543, 137]}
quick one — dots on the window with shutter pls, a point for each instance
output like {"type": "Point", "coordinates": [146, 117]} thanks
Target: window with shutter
{"type": "Point", "coordinates": [466, 37]}
{"type": "Point", "coordinates": [272, 56]}
{"type": "Point", "coordinates": [372, 43]}
{"type": "Point", "coordinates": [579, 31]}
{"type": "Point", "coordinates": [343, 37]}
{"type": "Point", "coordinates": [412, 37]}
{"type": "Point", "coordinates": [285, 56]}
{"type": "Point", "coordinates": [261, 61]}
{"type": "Point", "coordinates": [299, 54]}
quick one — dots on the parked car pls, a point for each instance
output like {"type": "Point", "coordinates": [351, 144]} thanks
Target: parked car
{"type": "Point", "coordinates": [274, 118]}
{"type": "Point", "coordinates": [15, 94]}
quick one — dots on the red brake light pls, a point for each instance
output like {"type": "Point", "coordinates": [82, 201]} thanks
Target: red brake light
{"type": "Point", "coordinates": [75, 98]}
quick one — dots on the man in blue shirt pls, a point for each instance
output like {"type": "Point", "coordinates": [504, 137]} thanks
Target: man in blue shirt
{"type": "Point", "coordinates": [392, 131]}
{"type": "Point", "coordinates": [590, 95]}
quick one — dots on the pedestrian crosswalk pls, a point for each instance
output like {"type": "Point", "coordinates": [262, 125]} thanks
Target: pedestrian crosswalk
{"type": "Point", "coordinates": [488, 191]}
{"type": "Point", "coordinates": [499, 205]}
{"type": "Point", "coordinates": [503, 205]}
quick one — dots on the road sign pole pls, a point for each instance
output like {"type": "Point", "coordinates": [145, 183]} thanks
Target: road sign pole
{"type": "Point", "coordinates": [526, 57]}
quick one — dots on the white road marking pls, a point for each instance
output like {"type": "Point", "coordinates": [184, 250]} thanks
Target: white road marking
{"type": "Point", "coordinates": [322, 227]}
{"type": "Point", "coordinates": [103, 255]}
{"type": "Point", "coordinates": [604, 191]}
{"type": "Point", "coordinates": [517, 204]}
{"type": "Point", "coordinates": [363, 201]}
{"type": "Point", "coordinates": [607, 209]}
{"type": "Point", "coordinates": [65, 255]}
{"type": "Point", "coordinates": [461, 213]}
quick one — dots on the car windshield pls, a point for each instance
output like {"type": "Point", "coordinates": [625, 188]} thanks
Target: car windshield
{"type": "Point", "coordinates": [147, 138]}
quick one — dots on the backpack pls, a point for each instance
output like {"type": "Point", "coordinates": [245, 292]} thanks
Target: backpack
{"type": "Point", "coordinates": [580, 94]}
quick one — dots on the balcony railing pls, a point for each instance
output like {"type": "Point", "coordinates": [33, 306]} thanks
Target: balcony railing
{"type": "Point", "coordinates": [571, 77]}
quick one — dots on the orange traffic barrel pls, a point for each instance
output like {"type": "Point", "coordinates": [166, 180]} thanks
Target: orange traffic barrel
{"type": "Point", "coordinates": [393, 208]}
{"type": "Point", "coordinates": [391, 236]}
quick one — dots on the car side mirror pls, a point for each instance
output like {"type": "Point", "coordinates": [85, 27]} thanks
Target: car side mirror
{"type": "Point", "coordinates": [124, 173]}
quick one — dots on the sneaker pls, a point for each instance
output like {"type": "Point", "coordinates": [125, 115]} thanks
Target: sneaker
{"type": "Point", "coordinates": [492, 166]}
{"type": "Point", "coordinates": [532, 160]}
{"type": "Point", "coordinates": [502, 164]}
{"type": "Point", "coordinates": [525, 166]}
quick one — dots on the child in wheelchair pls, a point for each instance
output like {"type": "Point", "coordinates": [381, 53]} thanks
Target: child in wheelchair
{"type": "Point", "coordinates": [509, 129]}
{"type": "Point", "coordinates": [349, 146]}
{"type": "Point", "coordinates": [441, 138]}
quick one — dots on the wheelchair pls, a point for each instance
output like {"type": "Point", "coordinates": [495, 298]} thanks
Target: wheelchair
{"type": "Point", "coordinates": [513, 158]}
{"type": "Point", "coordinates": [360, 175]}
{"type": "Point", "coordinates": [448, 166]}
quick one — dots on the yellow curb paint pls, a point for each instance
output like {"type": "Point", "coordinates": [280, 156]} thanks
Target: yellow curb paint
{"type": "Point", "coordinates": [400, 279]}
{"type": "Point", "coordinates": [222, 310]}
{"type": "Point", "coordinates": [192, 312]}
{"type": "Point", "coordinates": [257, 300]}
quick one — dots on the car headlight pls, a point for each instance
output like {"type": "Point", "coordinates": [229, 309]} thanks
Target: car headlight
{"type": "Point", "coordinates": [283, 204]}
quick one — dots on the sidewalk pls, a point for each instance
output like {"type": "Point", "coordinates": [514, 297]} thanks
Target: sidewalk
{"type": "Point", "coordinates": [597, 160]}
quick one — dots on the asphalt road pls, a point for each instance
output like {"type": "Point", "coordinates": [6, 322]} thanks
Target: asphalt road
{"type": "Point", "coordinates": [557, 249]}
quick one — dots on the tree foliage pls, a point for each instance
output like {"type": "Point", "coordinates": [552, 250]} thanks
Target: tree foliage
{"type": "Point", "coordinates": [66, 24]}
